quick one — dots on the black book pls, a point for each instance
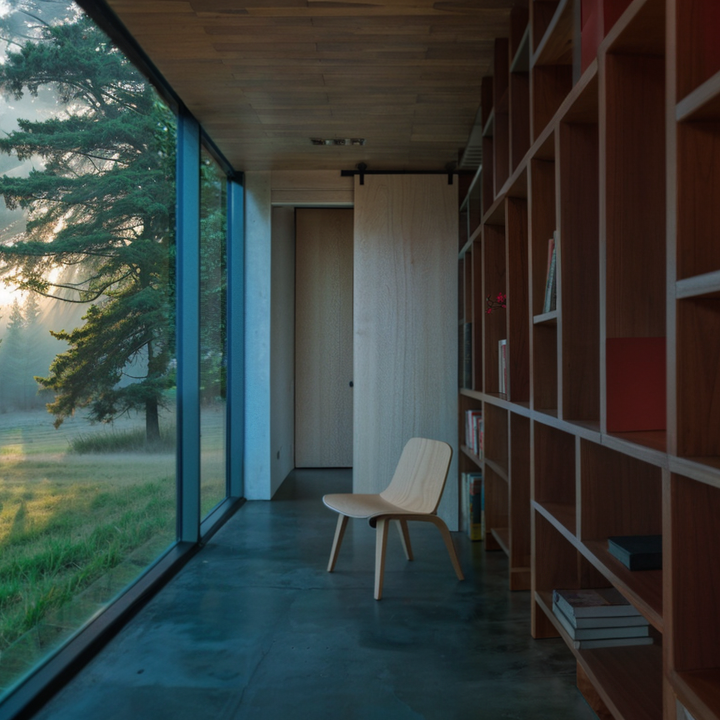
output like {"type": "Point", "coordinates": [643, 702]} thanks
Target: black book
{"type": "Point", "coordinates": [637, 552]}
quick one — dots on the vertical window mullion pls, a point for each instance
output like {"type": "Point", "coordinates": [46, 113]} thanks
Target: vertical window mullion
{"type": "Point", "coordinates": [236, 337]}
{"type": "Point", "coordinates": [188, 328]}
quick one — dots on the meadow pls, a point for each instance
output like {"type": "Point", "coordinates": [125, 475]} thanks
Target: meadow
{"type": "Point", "coordinates": [84, 509]}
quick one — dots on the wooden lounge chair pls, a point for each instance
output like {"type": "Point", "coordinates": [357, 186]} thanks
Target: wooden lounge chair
{"type": "Point", "coordinates": [413, 494]}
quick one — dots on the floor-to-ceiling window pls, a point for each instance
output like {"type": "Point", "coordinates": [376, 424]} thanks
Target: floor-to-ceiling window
{"type": "Point", "coordinates": [213, 332]}
{"type": "Point", "coordinates": [88, 329]}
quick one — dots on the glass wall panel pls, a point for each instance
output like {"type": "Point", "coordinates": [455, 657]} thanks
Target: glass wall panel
{"type": "Point", "coordinates": [213, 332]}
{"type": "Point", "coordinates": [87, 341]}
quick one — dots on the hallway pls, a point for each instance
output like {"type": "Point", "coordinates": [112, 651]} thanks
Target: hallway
{"type": "Point", "coordinates": [254, 628]}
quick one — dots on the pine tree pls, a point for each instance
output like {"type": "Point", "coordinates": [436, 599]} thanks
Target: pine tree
{"type": "Point", "coordinates": [104, 203]}
{"type": "Point", "coordinates": [13, 367]}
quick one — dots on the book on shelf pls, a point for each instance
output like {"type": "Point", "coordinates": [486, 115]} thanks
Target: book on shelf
{"type": "Point", "coordinates": [611, 642]}
{"type": "Point", "coordinates": [550, 302]}
{"type": "Point", "coordinates": [593, 602]}
{"type": "Point", "coordinates": [474, 431]}
{"type": "Point", "coordinates": [637, 552]}
{"type": "Point", "coordinates": [612, 621]}
{"type": "Point", "coordinates": [502, 366]}
{"type": "Point", "coordinates": [474, 501]}
{"type": "Point", "coordinates": [640, 629]}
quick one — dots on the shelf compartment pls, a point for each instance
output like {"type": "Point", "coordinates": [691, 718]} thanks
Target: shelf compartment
{"type": "Point", "coordinates": [488, 157]}
{"type": "Point", "coordinates": [501, 103]}
{"type": "Point", "coordinates": [476, 310]}
{"type": "Point", "coordinates": [519, 85]}
{"type": "Point", "coordinates": [695, 580]}
{"type": "Point", "coordinates": [519, 502]}
{"type": "Point", "coordinates": [634, 196]}
{"type": "Point", "coordinates": [495, 323]}
{"type": "Point", "coordinates": [620, 495]}
{"type": "Point", "coordinates": [496, 438]}
{"type": "Point", "coordinates": [642, 588]}
{"type": "Point", "coordinates": [554, 481]}
{"type": "Point", "coordinates": [597, 20]}
{"type": "Point", "coordinates": [698, 50]}
{"type": "Point", "coordinates": [555, 45]}
{"type": "Point", "coordinates": [518, 337]}
{"type": "Point", "coordinates": [698, 379]}
{"type": "Point", "coordinates": [578, 286]}
{"type": "Point", "coordinates": [698, 211]}
{"type": "Point", "coordinates": [519, 117]}
{"type": "Point", "coordinates": [639, 27]}
{"type": "Point", "coordinates": [496, 505]}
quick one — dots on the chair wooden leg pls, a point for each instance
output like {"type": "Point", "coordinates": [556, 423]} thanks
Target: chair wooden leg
{"type": "Point", "coordinates": [443, 528]}
{"type": "Point", "coordinates": [402, 527]}
{"type": "Point", "coordinates": [380, 546]}
{"type": "Point", "coordinates": [449, 545]}
{"type": "Point", "coordinates": [337, 541]}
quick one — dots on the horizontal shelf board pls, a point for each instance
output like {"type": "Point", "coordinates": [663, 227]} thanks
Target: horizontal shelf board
{"type": "Point", "coordinates": [699, 691]}
{"type": "Point", "coordinates": [707, 285]}
{"type": "Point", "coordinates": [642, 587]}
{"type": "Point", "coordinates": [556, 47]}
{"type": "Point", "coordinates": [474, 394]}
{"type": "Point", "coordinates": [502, 535]}
{"type": "Point", "coordinates": [548, 318]}
{"type": "Point", "coordinates": [648, 445]}
{"type": "Point", "coordinates": [521, 62]}
{"type": "Point", "coordinates": [702, 469]}
{"type": "Point", "coordinates": [500, 468]}
{"type": "Point", "coordinates": [561, 516]}
{"type": "Point", "coordinates": [703, 103]}
{"type": "Point", "coordinates": [628, 678]}
{"type": "Point", "coordinates": [640, 30]}
{"type": "Point", "coordinates": [467, 451]}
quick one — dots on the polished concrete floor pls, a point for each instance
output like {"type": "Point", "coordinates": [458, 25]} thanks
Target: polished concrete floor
{"type": "Point", "coordinates": [255, 628]}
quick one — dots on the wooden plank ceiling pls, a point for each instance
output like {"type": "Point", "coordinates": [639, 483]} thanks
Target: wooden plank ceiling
{"type": "Point", "coordinates": [265, 76]}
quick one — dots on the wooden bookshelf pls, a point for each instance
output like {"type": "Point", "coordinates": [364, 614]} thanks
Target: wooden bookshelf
{"type": "Point", "coordinates": [602, 123]}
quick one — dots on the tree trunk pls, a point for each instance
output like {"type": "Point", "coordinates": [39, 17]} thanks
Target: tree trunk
{"type": "Point", "coordinates": [152, 421]}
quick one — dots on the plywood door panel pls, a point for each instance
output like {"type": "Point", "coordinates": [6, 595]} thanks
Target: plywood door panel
{"type": "Point", "coordinates": [324, 337]}
{"type": "Point", "coordinates": [405, 288]}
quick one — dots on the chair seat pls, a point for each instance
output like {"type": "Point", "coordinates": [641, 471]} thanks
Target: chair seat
{"type": "Point", "coordinates": [362, 506]}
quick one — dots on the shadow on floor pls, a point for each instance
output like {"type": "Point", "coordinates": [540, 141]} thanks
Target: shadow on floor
{"type": "Point", "coordinates": [255, 628]}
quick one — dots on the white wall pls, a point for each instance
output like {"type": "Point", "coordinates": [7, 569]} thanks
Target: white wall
{"type": "Point", "coordinates": [282, 346]}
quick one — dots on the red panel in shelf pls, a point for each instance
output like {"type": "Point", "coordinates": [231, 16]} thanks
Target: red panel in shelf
{"type": "Point", "coordinates": [636, 384]}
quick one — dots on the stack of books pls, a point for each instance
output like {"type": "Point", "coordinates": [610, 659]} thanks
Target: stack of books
{"type": "Point", "coordinates": [600, 617]}
{"type": "Point", "coordinates": [474, 431]}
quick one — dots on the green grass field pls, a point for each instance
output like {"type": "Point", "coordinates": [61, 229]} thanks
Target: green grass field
{"type": "Point", "coordinates": [69, 520]}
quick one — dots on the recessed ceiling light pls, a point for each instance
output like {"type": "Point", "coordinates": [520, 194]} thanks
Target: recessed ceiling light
{"type": "Point", "coordinates": [337, 141]}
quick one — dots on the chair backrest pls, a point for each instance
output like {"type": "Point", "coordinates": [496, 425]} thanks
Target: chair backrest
{"type": "Point", "coordinates": [420, 476]}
